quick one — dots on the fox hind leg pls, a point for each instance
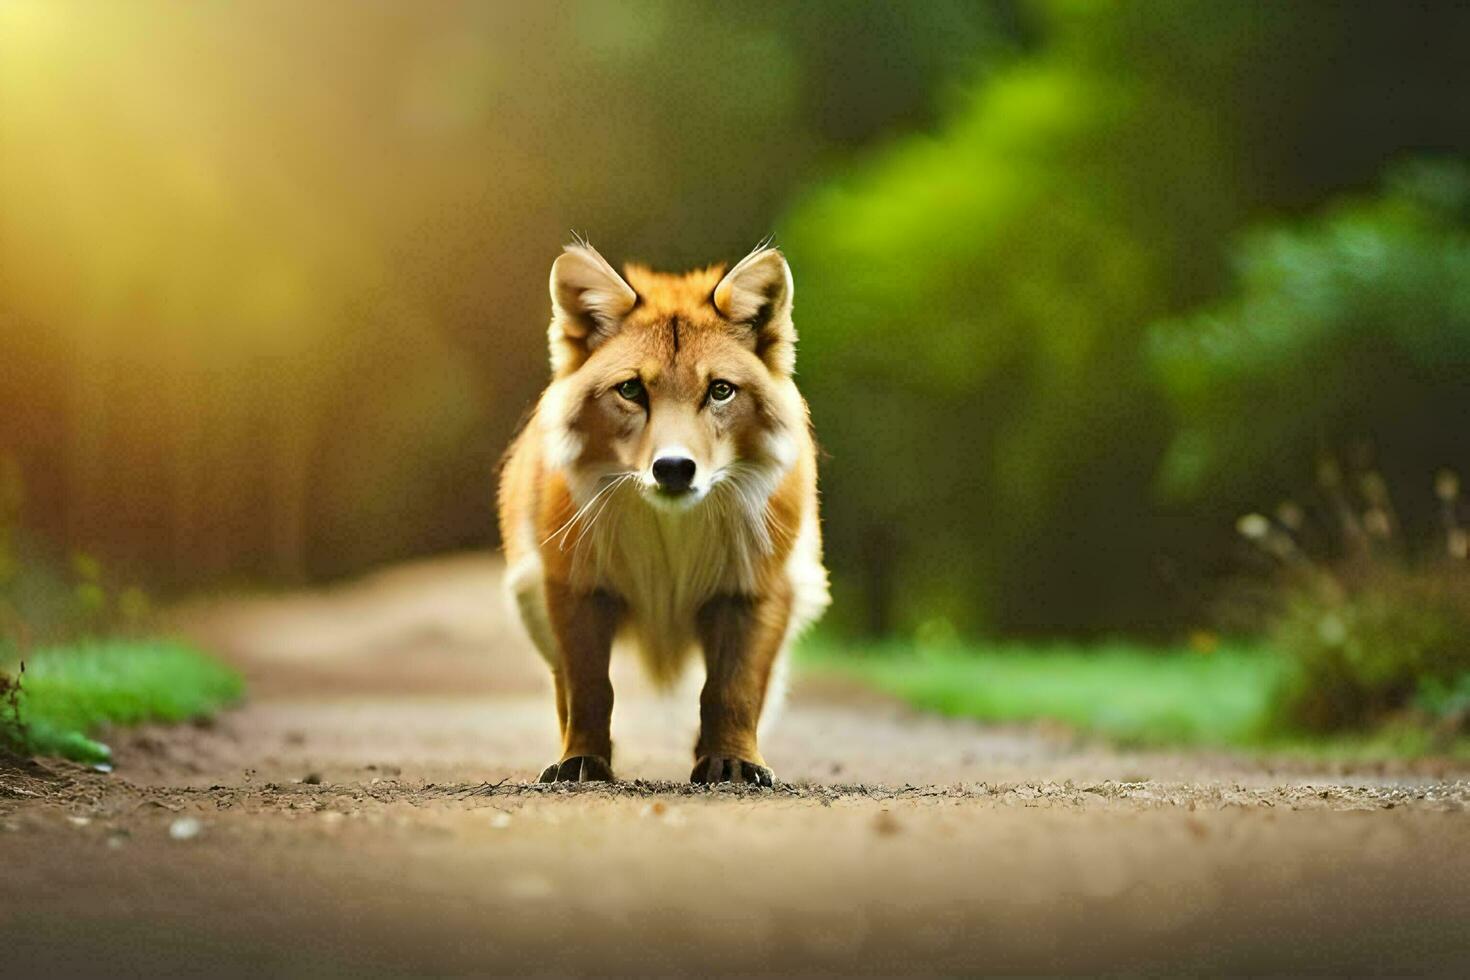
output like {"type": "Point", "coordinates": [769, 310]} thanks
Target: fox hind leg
{"type": "Point", "coordinates": [527, 591]}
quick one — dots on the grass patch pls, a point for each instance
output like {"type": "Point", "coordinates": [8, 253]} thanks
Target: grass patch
{"type": "Point", "coordinates": [1127, 693]}
{"type": "Point", "coordinates": [68, 693]}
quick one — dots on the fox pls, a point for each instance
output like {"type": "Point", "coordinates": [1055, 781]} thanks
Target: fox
{"type": "Point", "coordinates": [662, 496]}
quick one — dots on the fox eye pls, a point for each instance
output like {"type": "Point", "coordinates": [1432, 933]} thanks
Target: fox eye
{"type": "Point", "coordinates": [721, 392]}
{"type": "Point", "coordinates": [632, 389]}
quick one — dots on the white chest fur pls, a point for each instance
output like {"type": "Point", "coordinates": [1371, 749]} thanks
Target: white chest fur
{"type": "Point", "coordinates": [665, 565]}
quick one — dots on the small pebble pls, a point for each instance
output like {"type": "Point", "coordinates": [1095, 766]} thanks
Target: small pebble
{"type": "Point", "coordinates": [185, 828]}
{"type": "Point", "coordinates": [885, 825]}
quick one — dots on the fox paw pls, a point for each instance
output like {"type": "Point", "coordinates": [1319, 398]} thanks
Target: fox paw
{"type": "Point", "coordinates": [578, 769]}
{"type": "Point", "coordinates": [719, 769]}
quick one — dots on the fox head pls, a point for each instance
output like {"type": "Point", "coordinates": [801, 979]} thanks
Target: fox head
{"type": "Point", "coordinates": [675, 384]}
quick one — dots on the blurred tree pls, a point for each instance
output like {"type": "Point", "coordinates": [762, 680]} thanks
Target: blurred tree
{"type": "Point", "coordinates": [272, 278]}
{"type": "Point", "coordinates": [974, 305]}
{"type": "Point", "coordinates": [1353, 327]}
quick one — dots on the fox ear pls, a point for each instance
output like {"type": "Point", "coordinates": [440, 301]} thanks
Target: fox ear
{"type": "Point", "coordinates": [588, 302]}
{"type": "Point", "coordinates": [757, 294]}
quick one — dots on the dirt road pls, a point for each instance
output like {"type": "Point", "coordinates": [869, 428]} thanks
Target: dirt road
{"type": "Point", "coordinates": [368, 811]}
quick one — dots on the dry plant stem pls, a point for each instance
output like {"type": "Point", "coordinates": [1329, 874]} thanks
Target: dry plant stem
{"type": "Point", "coordinates": [1447, 489]}
{"type": "Point", "coordinates": [1381, 519]}
{"type": "Point", "coordinates": [10, 688]}
{"type": "Point", "coordinates": [1329, 478]}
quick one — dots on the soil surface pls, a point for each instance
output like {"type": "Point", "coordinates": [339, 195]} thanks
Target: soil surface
{"type": "Point", "coordinates": [370, 810]}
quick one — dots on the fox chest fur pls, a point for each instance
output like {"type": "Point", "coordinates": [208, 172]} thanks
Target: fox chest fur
{"type": "Point", "coordinates": [666, 565]}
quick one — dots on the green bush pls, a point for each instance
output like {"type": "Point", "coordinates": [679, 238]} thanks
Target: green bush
{"type": "Point", "coordinates": [1398, 643]}
{"type": "Point", "coordinates": [1373, 632]}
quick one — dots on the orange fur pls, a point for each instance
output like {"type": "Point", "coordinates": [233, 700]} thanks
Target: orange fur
{"type": "Point", "coordinates": [695, 367]}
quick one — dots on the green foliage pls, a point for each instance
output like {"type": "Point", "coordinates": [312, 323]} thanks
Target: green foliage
{"type": "Point", "coordinates": [1445, 701]}
{"type": "Point", "coordinates": [68, 693]}
{"type": "Point", "coordinates": [1373, 296]}
{"type": "Point", "coordinates": [1400, 642]}
{"type": "Point", "coordinates": [1375, 633]}
{"type": "Point", "coordinates": [951, 381]}
{"type": "Point", "coordinates": [975, 304]}
{"type": "Point", "coordinates": [1123, 691]}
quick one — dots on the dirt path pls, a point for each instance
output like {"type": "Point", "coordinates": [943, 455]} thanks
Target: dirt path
{"type": "Point", "coordinates": [368, 812]}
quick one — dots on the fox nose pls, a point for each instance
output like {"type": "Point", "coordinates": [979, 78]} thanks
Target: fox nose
{"type": "Point", "coordinates": [673, 474]}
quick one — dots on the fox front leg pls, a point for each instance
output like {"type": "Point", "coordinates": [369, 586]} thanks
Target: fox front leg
{"type": "Point", "coordinates": [584, 624]}
{"type": "Point", "coordinates": [741, 636]}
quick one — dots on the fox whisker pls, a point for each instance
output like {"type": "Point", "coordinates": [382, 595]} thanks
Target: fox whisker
{"type": "Point", "coordinates": [571, 521]}
{"type": "Point", "coordinates": [608, 495]}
